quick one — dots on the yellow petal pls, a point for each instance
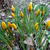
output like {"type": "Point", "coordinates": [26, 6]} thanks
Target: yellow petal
{"type": "Point", "coordinates": [9, 24]}
{"type": "Point", "coordinates": [38, 12]}
{"type": "Point", "coordinates": [30, 6]}
{"type": "Point", "coordinates": [21, 14]}
{"type": "Point", "coordinates": [13, 14]}
{"type": "Point", "coordinates": [14, 26]}
{"type": "Point", "coordinates": [48, 23]}
{"type": "Point", "coordinates": [43, 12]}
{"type": "Point", "coordinates": [13, 8]}
{"type": "Point", "coordinates": [4, 25]}
{"type": "Point", "coordinates": [36, 26]}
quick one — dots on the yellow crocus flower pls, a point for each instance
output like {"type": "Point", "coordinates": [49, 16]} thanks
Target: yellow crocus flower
{"type": "Point", "coordinates": [38, 12]}
{"type": "Point", "coordinates": [48, 23]}
{"type": "Point", "coordinates": [9, 24]}
{"type": "Point", "coordinates": [21, 14]}
{"type": "Point", "coordinates": [13, 8]}
{"type": "Point", "coordinates": [43, 12]}
{"type": "Point", "coordinates": [30, 6]}
{"type": "Point", "coordinates": [13, 14]}
{"type": "Point", "coordinates": [14, 26]}
{"type": "Point", "coordinates": [36, 26]}
{"type": "Point", "coordinates": [4, 25]}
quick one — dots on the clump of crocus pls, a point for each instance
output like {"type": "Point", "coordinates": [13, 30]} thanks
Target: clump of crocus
{"type": "Point", "coordinates": [12, 25]}
{"type": "Point", "coordinates": [36, 26]}
{"type": "Point", "coordinates": [30, 7]}
{"type": "Point", "coordinates": [3, 25]}
{"type": "Point", "coordinates": [13, 14]}
{"type": "Point", "coordinates": [38, 12]}
{"type": "Point", "coordinates": [13, 8]}
{"type": "Point", "coordinates": [21, 14]}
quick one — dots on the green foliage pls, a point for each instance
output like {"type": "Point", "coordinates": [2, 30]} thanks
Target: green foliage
{"type": "Point", "coordinates": [26, 25]}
